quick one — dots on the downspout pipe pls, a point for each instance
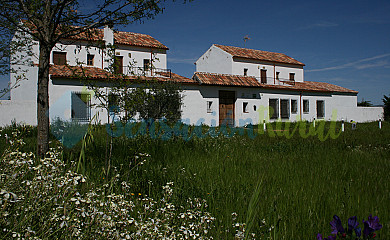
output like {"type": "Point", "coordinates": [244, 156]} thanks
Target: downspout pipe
{"type": "Point", "coordinates": [300, 105]}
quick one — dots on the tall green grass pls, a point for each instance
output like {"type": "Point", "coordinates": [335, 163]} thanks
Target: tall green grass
{"type": "Point", "coordinates": [304, 181]}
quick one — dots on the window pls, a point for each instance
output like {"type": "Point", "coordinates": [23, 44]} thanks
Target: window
{"type": "Point", "coordinates": [81, 106]}
{"type": "Point", "coordinates": [292, 76]}
{"type": "Point", "coordinates": [274, 108]}
{"type": "Point", "coordinates": [146, 64]}
{"type": "Point", "coordinates": [306, 106]}
{"type": "Point", "coordinates": [284, 108]}
{"type": "Point", "coordinates": [294, 106]}
{"type": "Point", "coordinates": [245, 71]}
{"type": "Point", "coordinates": [118, 64]}
{"type": "Point", "coordinates": [254, 108]}
{"type": "Point", "coordinates": [59, 58]}
{"type": "Point", "coordinates": [209, 106]}
{"type": "Point", "coordinates": [90, 58]}
{"type": "Point", "coordinates": [277, 75]}
{"type": "Point", "coordinates": [245, 107]}
{"type": "Point", "coordinates": [320, 109]}
{"type": "Point", "coordinates": [263, 75]}
{"type": "Point", "coordinates": [113, 103]}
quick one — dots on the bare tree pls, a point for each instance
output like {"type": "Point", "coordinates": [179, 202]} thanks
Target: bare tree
{"type": "Point", "coordinates": [49, 21]}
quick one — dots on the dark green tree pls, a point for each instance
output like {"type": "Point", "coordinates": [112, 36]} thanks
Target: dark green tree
{"type": "Point", "coordinates": [386, 102]}
{"type": "Point", "coordinates": [49, 21]}
{"type": "Point", "coordinates": [364, 103]}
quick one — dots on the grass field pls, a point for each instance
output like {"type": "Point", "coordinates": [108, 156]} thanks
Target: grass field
{"type": "Point", "coordinates": [303, 181]}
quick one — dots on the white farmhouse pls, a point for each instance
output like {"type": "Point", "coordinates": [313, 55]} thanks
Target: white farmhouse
{"type": "Point", "coordinates": [82, 56]}
{"type": "Point", "coordinates": [231, 85]}
{"type": "Point", "coordinates": [236, 85]}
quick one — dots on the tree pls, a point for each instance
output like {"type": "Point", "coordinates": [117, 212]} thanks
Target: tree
{"type": "Point", "coordinates": [364, 103]}
{"type": "Point", "coordinates": [386, 102]}
{"type": "Point", "coordinates": [49, 21]}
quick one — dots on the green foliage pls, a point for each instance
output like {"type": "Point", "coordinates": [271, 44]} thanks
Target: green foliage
{"type": "Point", "coordinates": [304, 181]}
{"type": "Point", "coordinates": [364, 103]}
{"type": "Point", "coordinates": [386, 102]}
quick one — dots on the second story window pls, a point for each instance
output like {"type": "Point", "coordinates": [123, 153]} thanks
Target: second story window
{"type": "Point", "coordinates": [277, 75]}
{"type": "Point", "coordinates": [292, 76]}
{"type": "Point", "coordinates": [146, 64]}
{"type": "Point", "coordinates": [263, 76]}
{"type": "Point", "coordinates": [118, 65]}
{"type": "Point", "coordinates": [59, 58]}
{"type": "Point", "coordinates": [245, 71]}
{"type": "Point", "coordinates": [90, 58]}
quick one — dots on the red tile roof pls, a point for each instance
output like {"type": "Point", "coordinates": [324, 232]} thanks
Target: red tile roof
{"type": "Point", "coordinates": [123, 38]}
{"type": "Point", "coordinates": [259, 55]}
{"type": "Point", "coordinates": [93, 73]}
{"type": "Point", "coordinates": [248, 81]}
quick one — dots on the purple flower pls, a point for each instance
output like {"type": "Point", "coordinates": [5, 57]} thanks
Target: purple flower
{"type": "Point", "coordinates": [336, 225]}
{"type": "Point", "coordinates": [371, 225]}
{"type": "Point", "coordinates": [358, 232]}
{"type": "Point", "coordinates": [319, 236]}
{"type": "Point", "coordinates": [352, 224]}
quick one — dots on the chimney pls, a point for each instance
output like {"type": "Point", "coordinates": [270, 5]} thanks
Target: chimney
{"type": "Point", "coordinates": [108, 35]}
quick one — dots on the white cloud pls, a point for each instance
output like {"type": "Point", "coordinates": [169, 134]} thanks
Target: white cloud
{"type": "Point", "coordinates": [357, 64]}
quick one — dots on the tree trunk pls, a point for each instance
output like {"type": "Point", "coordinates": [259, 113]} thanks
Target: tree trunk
{"type": "Point", "coordinates": [43, 100]}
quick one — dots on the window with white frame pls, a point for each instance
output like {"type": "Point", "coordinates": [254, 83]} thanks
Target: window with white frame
{"type": "Point", "coordinates": [245, 107]}
{"type": "Point", "coordinates": [245, 71]}
{"type": "Point", "coordinates": [320, 109]}
{"type": "Point", "coordinates": [284, 108]}
{"type": "Point", "coordinates": [294, 106]}
{"type": "Point", "coordinates": [209, 106]}
{"type": "Point", "coordinates": [81, 106]}
{"type": "Point", "coordinates": [305, 104]}
{"type": "Point", "coordinates": [274, 108]}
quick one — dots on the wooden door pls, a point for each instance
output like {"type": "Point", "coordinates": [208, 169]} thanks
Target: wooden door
{"type": "Point", "coordinates": [227, 101]}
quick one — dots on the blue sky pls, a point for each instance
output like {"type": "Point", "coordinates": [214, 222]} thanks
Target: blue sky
{"type": "Point", "coordinates": [346, 43]}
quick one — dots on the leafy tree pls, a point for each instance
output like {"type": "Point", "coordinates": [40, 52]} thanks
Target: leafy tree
{"type": "Point", "coordinates": [47, 22]}
{"type": "Point", "coordinates": [364, 103]}
{"type": "Point", "coordinates": [386, 102]}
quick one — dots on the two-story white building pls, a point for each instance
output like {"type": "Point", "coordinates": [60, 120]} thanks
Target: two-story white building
{"type": "Point", "coordinates": [238, 86]}
{"type": "Point", "coordinates": [231, 85]}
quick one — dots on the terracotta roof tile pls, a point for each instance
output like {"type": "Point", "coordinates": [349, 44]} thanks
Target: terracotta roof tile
{"type": "Point", "coordinates": [247, 81]}
{"type": "Point", "coordinates": [124, 38]}
{"type": "Point", "coordinates": [259, 55]}
{"type": "Point", "coordinates": [93, 73]}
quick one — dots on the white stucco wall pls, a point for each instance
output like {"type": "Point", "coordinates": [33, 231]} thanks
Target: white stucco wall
{"type": "Point", "coordinates": [215, 60]}
{"type": "Point", "coordinates": [254, 67]}
{"type": "Point", "coordinates": [18, 111]}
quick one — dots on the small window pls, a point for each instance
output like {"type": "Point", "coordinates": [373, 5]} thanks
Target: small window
{"type": "Point", "coordinates": [320, 109]}
{"type": "Point", "coordinates": [292, 76]}
{"type": "Point", "coordinates": [294, 106]}
{"type": "Point", "coordinates": [146, 64]}
{"type": "Point", "coordinates": [245, 71]}
{"type": "Point", "coordinates": [81, 106]}
{"type": "Point", "coordinates": [274, 108]}
{"type": "Point", "coordinates": [254, 108]}
{"type": "Point", "coordinates": [245, 107]}
{"type": "Point", "coordinates": [59, 58]}
{"type": "Point", "coordinates": [90, 58]}
{"type": "Point", "coordinates": [277, 75]}
{"type": "Point", "coordinates": [209, 106]}
{"type": "Point", "coordinates": [306, 106]}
